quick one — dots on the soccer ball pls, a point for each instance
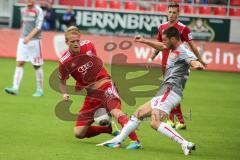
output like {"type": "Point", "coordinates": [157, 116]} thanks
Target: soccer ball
{"type": "Point", "coordinates": [102, 117]}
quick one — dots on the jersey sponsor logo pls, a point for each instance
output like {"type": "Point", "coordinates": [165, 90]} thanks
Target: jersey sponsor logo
{"type": "Point", "coordinates": [83, 69]}
{"type": "Point", "coordinates": [32, 14]}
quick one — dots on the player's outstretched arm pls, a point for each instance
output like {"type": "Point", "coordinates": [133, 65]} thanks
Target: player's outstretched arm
{"type": "Point", "coordinates": [154, 44]}
{"type": "Point", "coordinates": [197, 65]}
{"type": "Point", "coordinates": [196, 52]}
{"type": "Point", "coordinates": [63, 89]}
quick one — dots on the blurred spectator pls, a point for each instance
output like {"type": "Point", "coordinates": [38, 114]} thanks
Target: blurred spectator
{"type": "Point", "coordinates": [202, 1]}
{"type": "Point", "coordinates": [68, 19]}
{"type": "Point", "coordinates": [197, 1]}
{"type": "Point", "coordinates": [49, 17]}
{"type": "Point", "coordinates": [222, 2]}
{"type": "Point", "coordinates": [190, 1]}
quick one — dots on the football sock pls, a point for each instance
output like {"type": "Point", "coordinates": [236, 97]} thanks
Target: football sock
{"type": "Point", "coordinates": [178, 112]}
{"type": "Point", "coordinates": [122, 120]}
{"type": "Point", "coordinates": [96, 130]}
{"type": "Point", "coordinates": [171, 115]}
{"type": "Point", "coordinates": [128, 128]}
{"type": "Point", "coordinates": [170, 132]}
{"type": "Point", "coordinates": [39, 78]}
{"type": "Point", "coordinates": [17, 77]}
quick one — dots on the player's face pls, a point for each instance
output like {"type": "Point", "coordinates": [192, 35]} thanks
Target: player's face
{"type": "Point", "coordinates": [166, 41]}
{"type": "Point", "coordinates": [30, 3]}
{"type": "Point", "coordinates": [73, 43]}
{"type": "Point", "coordinates": [173, 14]}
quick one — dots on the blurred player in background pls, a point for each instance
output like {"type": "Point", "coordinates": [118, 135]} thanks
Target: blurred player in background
{"type": "Point", "coordinates": [81, 62]}
{"type": "Point", "coordinates": [29, 47]}
{"type": "Point", "coordinates": [179, 61]}
{"type": "Point", "coordinates": [185, 35]}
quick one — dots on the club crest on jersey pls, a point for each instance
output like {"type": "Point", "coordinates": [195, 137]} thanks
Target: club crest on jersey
{"type": "Point", "coordinates": [83, 69]}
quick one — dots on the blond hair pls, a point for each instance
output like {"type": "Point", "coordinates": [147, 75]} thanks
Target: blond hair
{"type": "Point", "coordinates": [72, 30]}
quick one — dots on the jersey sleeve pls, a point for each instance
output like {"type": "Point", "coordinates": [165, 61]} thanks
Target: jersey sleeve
{"type": "Point", "coordinates": [159, 35]}
{"type": "Point", "coordinates": [93, 49]}
{"type": "Point", "coordinates": [63, 73]}
{"type": "Point", "coordinates": [187, 57]}
{"type": "Point", "coordinates": [40, 18]}
{"type": "Point", "coordinates": [186, 34]}
{"type": "Point", "coordinates": [88, 48]}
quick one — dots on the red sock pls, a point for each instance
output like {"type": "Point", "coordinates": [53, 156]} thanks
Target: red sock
{"type": "Point", "coordinates": [178, 113]}
{"type": "Point", "coordinates": [122, 120]}
{"type": "Point", "coordinates": [171, 115]}
{"type": "Point", "coordinates": [96, 130]}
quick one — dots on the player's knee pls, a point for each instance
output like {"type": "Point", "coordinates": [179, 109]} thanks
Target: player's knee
{"type": "Point", "coordinates": [155, 124]}
{"type": "Point", "coordinates": [116, 113]}
{"type": "Point", "coordinates": [20, 64]}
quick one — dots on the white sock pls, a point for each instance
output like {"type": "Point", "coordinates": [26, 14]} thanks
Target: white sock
{"type": "Point", "coordinates": [128, 128]}
{"type": "Point", "coordinates": [168, 131]}
{"type": "Point", "coordinates": [17, 77]}
{"type": "Point", "coordinates": [39, 78]}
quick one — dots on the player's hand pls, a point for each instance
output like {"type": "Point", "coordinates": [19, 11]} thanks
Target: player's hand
{"type": "Point", "coordinates": [204, 64]}
{"type": "Point", "coordinates": [26, 40]}
{"type": "Point", "coordinates": [139, 39]}
{"type": "Point", "coordinates": [197, 65]}
{"type": "Point", "coordinates": [66, 97]}
{"type": "Point", "coordinates": [149, 64]}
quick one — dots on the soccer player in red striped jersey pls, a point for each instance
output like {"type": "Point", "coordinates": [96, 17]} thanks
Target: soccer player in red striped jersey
{"type": "Point", "coordinates": [81, 62]}
{"type": "Point", "coordinates": [186, 36]}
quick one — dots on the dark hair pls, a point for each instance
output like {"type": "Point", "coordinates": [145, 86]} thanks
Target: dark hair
{"type": "Point", "coordinates": [174, 5]}
{"type": "Point", "coordinates": [172, 32]}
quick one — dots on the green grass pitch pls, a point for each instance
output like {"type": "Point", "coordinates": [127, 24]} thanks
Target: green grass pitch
{"type": "Point", "coordinates": [29, 128]}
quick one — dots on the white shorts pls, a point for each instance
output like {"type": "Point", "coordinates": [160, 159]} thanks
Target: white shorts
{"type": "Point", "coordinates": [166, 102]}
{"type": "Point", "coordinates": [30, 52]}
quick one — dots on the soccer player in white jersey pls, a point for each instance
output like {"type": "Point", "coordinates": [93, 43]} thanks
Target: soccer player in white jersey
{"type": "Point", "coordinates": [29, 47]}
{"type": "Point", "coordinates": [179, 61]}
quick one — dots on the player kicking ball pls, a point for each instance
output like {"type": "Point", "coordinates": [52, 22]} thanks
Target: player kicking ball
{"type": "Point", "coordinates": [180, 60]}
{"type": "Point", "coordinates": [81, 62]}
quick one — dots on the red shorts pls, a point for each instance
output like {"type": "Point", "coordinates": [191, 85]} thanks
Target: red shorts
{"type": "Point", "coordinates": [104, 97]}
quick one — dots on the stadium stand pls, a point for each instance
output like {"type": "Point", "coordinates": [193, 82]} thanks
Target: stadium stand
{"type": "Point", "coordinates": [84, 3]}
{"type": "Point", "coordinates": [160, 7]}
{"type": "Point", "coordinates": [187, 6]}
{"type": "Point", "coordinates": [189, 9]}
{"type": "Point", "coordinates": [130, 5]}
{"type": "Point", "coordinates": [205, 10]}
{"type": "Point", "coordinates": [101, 4]}
{"type": "Point", "coordinates": [235, 2]}
{"type": "Point", "coordinates": [220, 11]}
{"type": "Point", "coordinates": [234, 12]}
{"type": "Point", "coordinates": [115, 4]}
